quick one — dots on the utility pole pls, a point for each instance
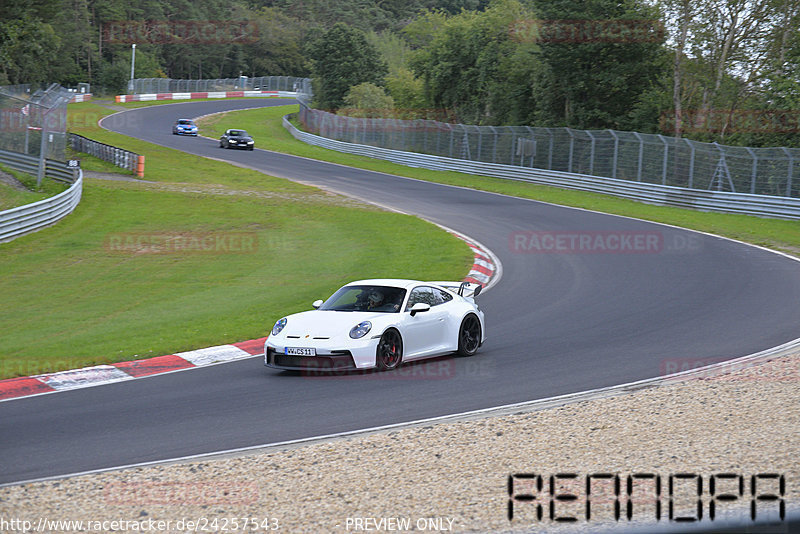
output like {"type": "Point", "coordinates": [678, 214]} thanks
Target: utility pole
{"type": "Point", "coordinates": [133, 63]}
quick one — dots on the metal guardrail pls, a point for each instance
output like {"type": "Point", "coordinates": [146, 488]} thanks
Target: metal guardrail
{"type": "Point", "coordinates": [721, 201]}
{"type": "Point", "coordinates": [118, 156]}
{"type": "Point", "coordinates": [22, 220]}
{"type": "Point", "coordinates": [57, 170]}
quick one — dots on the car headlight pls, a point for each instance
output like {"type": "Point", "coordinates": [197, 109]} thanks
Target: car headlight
{"type": "Point", "coordinates": [360, 330]}
{"type": "Point", "coordinates": [278, 326]}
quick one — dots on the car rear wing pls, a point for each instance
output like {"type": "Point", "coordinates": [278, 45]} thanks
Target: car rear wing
{"type": "Point", "coordinates": [464, 289]}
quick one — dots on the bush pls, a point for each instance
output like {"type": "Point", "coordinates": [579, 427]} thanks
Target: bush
{"type": "Point", "coordinates": [367, 100]}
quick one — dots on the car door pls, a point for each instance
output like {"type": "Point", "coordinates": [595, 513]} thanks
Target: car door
{"type": "Point", "coordinates": [451, 321]}
{"type": "Point", "coordinates": [424, 332]}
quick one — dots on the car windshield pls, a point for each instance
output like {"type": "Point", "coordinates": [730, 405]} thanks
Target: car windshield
{"type": "Point", "coordinates": [185, 122]}
{"type": "Point", "coordinates": [238, 133]}
{"type": "Point", "coordinates": [384, 299]}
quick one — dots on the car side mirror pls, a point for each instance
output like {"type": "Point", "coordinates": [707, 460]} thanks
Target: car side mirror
{"type": "Point", "coordinates": [477, 291]}
{"type": "Point", "coordinates": [419, 307]}
{"type": "Point", "coordinates": [317, 304]}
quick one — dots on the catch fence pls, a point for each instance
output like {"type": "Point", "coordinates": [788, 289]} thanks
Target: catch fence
{"type": "Point", "coordinates": [632, 156]}
{"type": "Point", "coordinates": [242, 83]}
{"type": "Point", "coordinates": [33, 122]}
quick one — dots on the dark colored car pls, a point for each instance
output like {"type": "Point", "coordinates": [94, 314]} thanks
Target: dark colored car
{"type": "Point", "coordinates": [184, 127]}
{"type": "Point", "coordinates": [236, 139]}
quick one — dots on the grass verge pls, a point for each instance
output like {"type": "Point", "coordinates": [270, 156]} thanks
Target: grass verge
{"type": "Point", "coordinates": [265, 125]}
{"type": "Point", "coordinates": [11, 197]}
{"type": "Point", "coordinates": [143, 269]}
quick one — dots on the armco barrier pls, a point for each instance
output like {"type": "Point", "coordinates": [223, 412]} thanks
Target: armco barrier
{"type": "Point", "coordinates": [721, 201]}
{"type": "Point", "coordinates": [84, 97]}
{"type": "Point", "coordinates": [209, 94]}
{"type": "Point", "coordinates": [57, 170]}
{"type": "Point", "coordinates": [120, 157]}
{"type": "Point", "coordinates": [31, 217]}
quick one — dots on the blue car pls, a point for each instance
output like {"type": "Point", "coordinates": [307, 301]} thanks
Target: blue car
{"type": "Point", "coordinates": [184, 127]}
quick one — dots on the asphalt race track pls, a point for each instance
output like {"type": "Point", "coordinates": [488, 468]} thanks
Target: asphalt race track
{"type": "Point", "coordinates": [557, 323]}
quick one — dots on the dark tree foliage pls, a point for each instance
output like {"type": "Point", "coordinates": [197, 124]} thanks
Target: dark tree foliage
{"type": "Point", "coordinates": [28, 40]}
{"type": "Point", "coordinates": [41, 10]}
{"type": "Point", "coordinates": [534, 62]}
{"type": "Point", "coordinates": [71, 41]}
{"type": "Point", "coordinates": [364, 14]}
{"type": "Point", "coordinates": [341, 58]}
{"type": "Point", "coordinates": [595, 79]}
{"type": "Point", "coordinates": [474, 67]}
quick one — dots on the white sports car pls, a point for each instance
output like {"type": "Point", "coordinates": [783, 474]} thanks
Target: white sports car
{"type": "Point", "coordinates": [379, 324]}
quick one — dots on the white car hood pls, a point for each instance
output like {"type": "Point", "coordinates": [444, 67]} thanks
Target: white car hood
{"type": "Point", "coordinates": [325, 323]}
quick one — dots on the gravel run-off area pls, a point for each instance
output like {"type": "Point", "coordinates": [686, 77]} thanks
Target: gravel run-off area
{"type": "Point", "coordinates": [454, 477]}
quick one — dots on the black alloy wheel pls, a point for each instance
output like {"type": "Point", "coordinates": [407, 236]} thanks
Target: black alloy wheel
{"type": "Point", "coordinates": [390, 350]}
{"type": "Point", "coordinates": [469, 335]}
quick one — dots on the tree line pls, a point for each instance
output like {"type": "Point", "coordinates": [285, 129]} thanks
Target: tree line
{"type": "Point", "coordinates": [713, 70]}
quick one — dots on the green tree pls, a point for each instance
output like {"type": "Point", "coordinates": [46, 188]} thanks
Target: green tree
{"type": "Point", "coordinates": [28, 42]}
{"type": "Point", "coordinates": [595, 77]}
{"type": "Point", "coordinates": [114, 75]}
{"type": "Point", "coordinates": [367, 100]}
{"type": "Point", "coordinates": [421, 31]}
{"type": "Point", "coordinates": [733, 72]}
{"type": "Point", "coordinates": [28, 50]}
{"type": "Point", "coordinates": [407, 91]}
{"type": "Point", "coordinates": [278, 50]}
{"type": "Point", "coordinates": [342, 58]}
{"type": "Point", "coordinates": [77, 50]}
{"type": "Point", "coordinates": [475, 67]}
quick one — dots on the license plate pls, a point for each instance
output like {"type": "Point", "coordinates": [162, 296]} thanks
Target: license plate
{"type": "Point", "coordinates": [296, 351]}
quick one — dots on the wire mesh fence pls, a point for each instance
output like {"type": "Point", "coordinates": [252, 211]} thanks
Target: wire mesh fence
{"type": "Point", "coordinates": [242, 83]}
{"type": "Point", "coordinates": [34, 121]}
{"type": "Point", "coordinates": [632, 156]}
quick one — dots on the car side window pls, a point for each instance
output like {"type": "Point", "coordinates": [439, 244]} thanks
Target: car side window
{"type": "Point", "coordinates": [423, 294]}
{"type": "Point", "coordinates": [442, 296]}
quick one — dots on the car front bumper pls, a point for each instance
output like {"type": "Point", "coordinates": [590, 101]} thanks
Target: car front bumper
{"type": "Point", "coordinates": [359, 354]}
{"type": "Point", "coordinates": [186, 132]}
